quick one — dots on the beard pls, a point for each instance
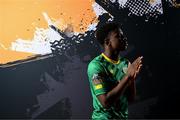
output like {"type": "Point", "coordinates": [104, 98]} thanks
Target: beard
{"type": "Point", "coordinates": [123, 45]}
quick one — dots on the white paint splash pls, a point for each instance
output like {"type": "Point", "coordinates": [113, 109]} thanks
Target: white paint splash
{"type": "Point", "coordinates": [40, 44]}
{"type": "Point", "coordinates": [92, 27]}
{"type": "Point", "coordinates": [98, 9]}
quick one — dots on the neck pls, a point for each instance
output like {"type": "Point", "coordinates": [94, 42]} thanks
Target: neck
{"type": "Point", "coordinates": [112, 55]}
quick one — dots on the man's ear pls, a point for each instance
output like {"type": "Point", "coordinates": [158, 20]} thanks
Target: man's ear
{"type": "Point", "coordinates": [107, 42]}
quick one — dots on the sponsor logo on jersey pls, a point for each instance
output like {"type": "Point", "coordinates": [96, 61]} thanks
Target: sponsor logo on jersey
{"type": "Point", "coordinates": [99, 86]}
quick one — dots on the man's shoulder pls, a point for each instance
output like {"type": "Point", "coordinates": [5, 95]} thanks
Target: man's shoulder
{"type": "Point", "coordinates": [95, 63]}
{"type": "Point", "coordinates": [124, 60]}
{"type": "Point", "coordinates": [96, 60]}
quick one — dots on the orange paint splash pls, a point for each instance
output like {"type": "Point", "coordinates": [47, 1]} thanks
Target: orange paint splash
{"type": "Point", "coordinates": [20, 17]}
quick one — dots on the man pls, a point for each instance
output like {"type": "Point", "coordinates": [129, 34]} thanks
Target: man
{"type": "Point", "coordinates": [111, 77]}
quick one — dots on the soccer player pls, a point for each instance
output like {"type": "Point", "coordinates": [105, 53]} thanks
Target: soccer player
{"type": "Point", "coordinates": [111, 77]}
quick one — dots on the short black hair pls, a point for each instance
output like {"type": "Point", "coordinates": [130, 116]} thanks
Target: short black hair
{"type": "Point", "coordinates": [103, 31]}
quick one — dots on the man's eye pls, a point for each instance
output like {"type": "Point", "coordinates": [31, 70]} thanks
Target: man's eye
{"type": "Point", "coordinates": [117, 36]}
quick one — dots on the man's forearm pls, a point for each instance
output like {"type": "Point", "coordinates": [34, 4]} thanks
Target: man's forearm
{"type": "Point", "coordinates": [131, 91]}
{"type": "Point", "coordinates": [117, 91]}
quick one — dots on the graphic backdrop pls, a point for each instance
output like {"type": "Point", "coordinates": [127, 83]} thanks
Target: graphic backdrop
{"type": "Point", "coordinates": [45, 46]}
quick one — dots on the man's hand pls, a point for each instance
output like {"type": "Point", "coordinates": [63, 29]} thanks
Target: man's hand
{"type": "Point", "coordinates": [134, 68]}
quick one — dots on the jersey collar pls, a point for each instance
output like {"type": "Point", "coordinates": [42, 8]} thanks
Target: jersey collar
{"type": "Point", "coordinates": [110, 60]}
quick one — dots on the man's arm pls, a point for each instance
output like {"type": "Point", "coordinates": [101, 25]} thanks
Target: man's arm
{"type": "Point", "coordinates": [110, 97]}
{"type": "Point", "coordinates": [132, 86]}
{"type": "Point", "coordinates": [107, 99]}
{"type": "Point", "coordinates": [131, 91]}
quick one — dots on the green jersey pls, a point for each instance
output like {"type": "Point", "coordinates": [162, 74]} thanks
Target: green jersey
{"type": "Point", "coordinates": [104, 74]}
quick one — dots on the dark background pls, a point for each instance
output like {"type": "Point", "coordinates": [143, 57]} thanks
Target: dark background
{"type": "Point", "coordinates": [56, 85]}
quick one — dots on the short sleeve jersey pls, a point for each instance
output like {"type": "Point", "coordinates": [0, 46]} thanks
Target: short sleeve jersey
{"type": "Point", "coordinates": [104, 74]}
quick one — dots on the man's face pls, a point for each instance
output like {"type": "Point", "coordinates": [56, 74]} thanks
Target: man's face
{"type": "Point", "coordinates": [118, 40]}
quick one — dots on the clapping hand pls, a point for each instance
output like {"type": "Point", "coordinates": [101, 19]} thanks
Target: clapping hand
{"type": "Point", "coordinates": [134, 68]}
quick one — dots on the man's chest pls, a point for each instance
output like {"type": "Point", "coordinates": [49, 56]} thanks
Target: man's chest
{"type": "Point", "coordinates": [114, 73]}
